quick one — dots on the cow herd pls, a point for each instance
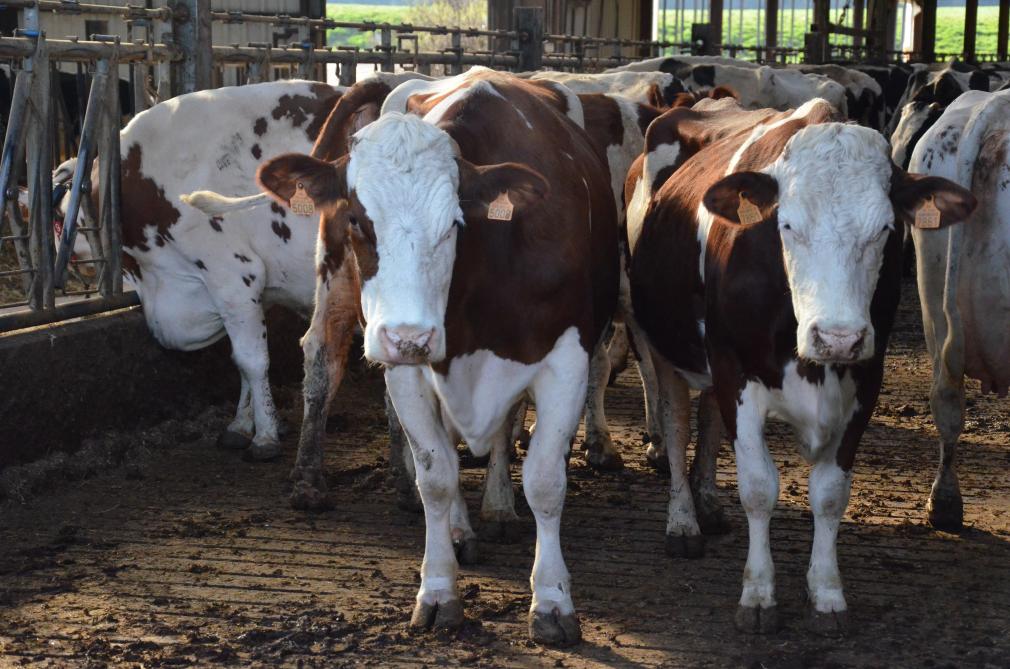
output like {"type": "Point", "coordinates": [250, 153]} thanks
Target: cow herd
{"type": "Point", "coordinates": [501, 239]}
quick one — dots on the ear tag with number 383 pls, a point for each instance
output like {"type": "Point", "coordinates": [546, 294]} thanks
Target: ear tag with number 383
{"type": "Point", "coordinates": [748, 212]}
{"type": "Point", "coordinates": [928, 215]}
{"type": "Point", "coordinates": [301, 203]}
{"type": "Point", "coordinates": [500, 208]}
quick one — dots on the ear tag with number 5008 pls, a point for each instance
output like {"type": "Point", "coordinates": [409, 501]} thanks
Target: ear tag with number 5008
{"type": "Point", "coordinates": [748, 212]}
{"type": "Point", "coordinates": [500, 208]}
{"type": "Point", "coordinates": [301, 203]}
{"type": "Point", "coordinates": [928, 215]}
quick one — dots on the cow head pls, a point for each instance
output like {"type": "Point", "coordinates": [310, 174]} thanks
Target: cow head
{"type": "Point", "coordinates": [836, 198]}
{"type": "Point", "coordinates": [399, 200]}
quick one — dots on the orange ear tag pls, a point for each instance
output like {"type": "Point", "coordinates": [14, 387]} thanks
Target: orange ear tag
{"type": "Point", "coordinates": [748, 213]}
{"type": "Point", "coordinates": [928, 215]}
{"type": "Point", "coordinates": [500, 209]}
{"type": "Point", "coordinates": [301, 203]}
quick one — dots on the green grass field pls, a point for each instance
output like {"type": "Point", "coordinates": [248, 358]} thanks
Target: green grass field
{"type": "Point", "coordinates": [361, 14]}
{"type": "Point", "coordinates": [949, 28]}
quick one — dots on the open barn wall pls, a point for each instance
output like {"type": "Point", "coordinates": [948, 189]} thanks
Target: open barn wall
{"type": "Point", "coordinates": [630, 19]}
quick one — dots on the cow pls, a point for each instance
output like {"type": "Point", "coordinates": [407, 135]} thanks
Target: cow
{"type": "Point", "coordinates": [963, 276]}
{"type": "Point", "coordinates": [758, 277]}
{"type": "Point", "coordinates": [477, 213]}
{"type": "Point", "coordinates": [863, 94]}
{"type": "Point", "coordinates": [657, 89]}
{"type": "Point", "coordinates": [201, 277]}
{"type": "Point", "coordinates": [927, 94]}
{"type": "Point", "coordinates": [756, 87]}
{"type": "Point", "coordinates": [892, 79]}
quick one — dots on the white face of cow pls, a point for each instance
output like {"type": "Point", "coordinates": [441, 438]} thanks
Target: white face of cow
{"type": "Point", "coordinates": [834, 216]}
{"type": "Point", "coordinates": [404, 173]}
{"type": "Point", "coordinates": [837, 196]}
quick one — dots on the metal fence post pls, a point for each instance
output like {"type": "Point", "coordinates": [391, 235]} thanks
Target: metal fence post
{"type": "Point", "coordinates": [529, 22]}
{"type": "Point", "coordinates": [192, 22]}
{"type": "Point", "coordinates": [109, 200]}
{"type": "Point", "coordinates": [38, 136]}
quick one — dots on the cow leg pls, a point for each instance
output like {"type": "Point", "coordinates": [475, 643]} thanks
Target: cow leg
{"type": "Point", "coordinates": [946, 401]}
{"type": "Point", "coordinates": [498, 507]}
{"type": "Point", "coordinates": [829, 496]}
{"type": "Point", "coordinates": [464, 539]}
{"type": "Point", "coordinates": [683, 536]}
{"type": "Point", "coordinates": [758, 483]}
{"type": "Point", "coordinates": [248, 331]}
{"type": "Point", "coordinates": [239, 433]}
{"type": "Point", "coordinates": [559, 391]}
{"type": "Point", "coordinates": [401, 462]}
{"type": "Point", "coordinates": [325, 347]}
{"type": "Point", "coordinates": [599, 448]}
{"type": "Point", "coordinates": [437, 466]}
{"type": "Point", "coordinates": [617, 352]}
{"type": "Point", "coordinates": [711, 516]}
{"type": "Point", "coordinates": [655, 454]}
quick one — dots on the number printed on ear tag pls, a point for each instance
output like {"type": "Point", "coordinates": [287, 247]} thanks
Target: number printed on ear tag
{"type": "Point", "coordinates": [748, 213]}
{"type": "Point", "coordinates": [928, 215]}
{"type": "Point", "coordinates": [301, 203]}
{"type": "Point", "coordinates": [500, 209]}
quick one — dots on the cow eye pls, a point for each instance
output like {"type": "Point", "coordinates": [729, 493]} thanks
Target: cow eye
{"type": "Point", "coordinates": [353, 220]}
{"type": "Point", "coordinates": [786, 226]}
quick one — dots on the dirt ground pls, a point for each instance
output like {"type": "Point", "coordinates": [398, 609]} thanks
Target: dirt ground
{"type": "Point", "coordinates": [185, 555]}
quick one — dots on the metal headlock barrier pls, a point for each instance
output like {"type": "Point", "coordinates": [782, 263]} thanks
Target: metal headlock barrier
{"type": "Point", "coordinates": [169, 52]}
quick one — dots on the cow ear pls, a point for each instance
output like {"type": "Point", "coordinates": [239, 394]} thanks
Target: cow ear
{"type": "Point", "coordinates": [912, 192]}
{"type": "Point", "coordinates": [323, 182]}
{"type": "Point", "coordinates": [726, 196]}
{"type": "Point", "coordinates": [480, 185]}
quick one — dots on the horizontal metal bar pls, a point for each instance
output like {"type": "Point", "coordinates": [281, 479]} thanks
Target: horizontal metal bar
{"type": "Point", "coordinates": [27, 318]}
{"type": "Point", "coordinates": [16, 272]}
{"type": "Point", "coordinates": [87, 51]}
{"type": "Point", "coordinates": [280, 56]}
{"type": "Point", "coordinates": [72, 7]}
{"type": "Point", "coordinates": [14, 237]}
{"type": "Point", "coordinates": [329, 24]}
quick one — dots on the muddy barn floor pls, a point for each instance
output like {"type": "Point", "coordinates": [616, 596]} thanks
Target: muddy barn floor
{"type": "Point", "coordinates": [187, 556]}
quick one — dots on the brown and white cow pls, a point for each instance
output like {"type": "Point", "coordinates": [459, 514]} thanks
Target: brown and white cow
{"type": "Point", "coordinates": [964, 276]}
{"type": "Point", "coordinates": [479, 218]}
{"type": "Point", "coordinates": [767, 270]}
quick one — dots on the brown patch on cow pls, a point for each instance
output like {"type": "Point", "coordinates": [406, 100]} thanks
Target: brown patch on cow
{"type": "Point", "coordinates": [131, 267]}
{"type": "Point", "coordinates": [357, 107]}
{"type": "Point", "coordinates": [646, 115]}
{"type": "Point", "coordinates": [281, 229]}
{"type": "Point", "coordinates": [257, 152]}
{"type": "Point", "coordinates": [143, 203]}
{"type": "Point", "coordinates": [215, 223]}
{"type": "Point", "coordinates": [362, 238]}
{"type": "Point", "coordinates": [260, 126]}
{"type": "Point", "coordinates": [278, 209]}
{"type": "Point", "coordinates": [298, 108]}
{"type": "Point", "coordinates": [604, 122]}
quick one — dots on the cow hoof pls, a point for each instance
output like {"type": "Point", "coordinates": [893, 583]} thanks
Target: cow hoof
{"type": "Point", "coordinates": [691, 546]}
{"type": "Point", "coordinates": [946, 513]}
{"type": "Point", "coordinates": [307, 497]}
{"type": "Point", "coordinates": [757, 620]}
{"type": "Point", "coordinates": [466, 551]}
{"type": "Point", "coordinates": [500, 527]}
{"type": "Point", "coordinates": [601, 459]}
{"type": "Point", "coordinates": [657, 459]}
{"type": "Point", "coordinates": [555, 629]}
{"type": "Point", "coordinates": [262, 452]}
{"type": "Point", "coordinates": [831, 624]}
{"type": "Point", "coordinates": [440, 616]}
{"type": "Point", "coordinates": [233, 441]}
{"type": "Point", "coordinates": [711, 516]}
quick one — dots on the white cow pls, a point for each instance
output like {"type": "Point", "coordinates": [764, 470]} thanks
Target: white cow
{"type": "Point", "coordinates": [964, 275]}
{"type": "Point", "coordinates": [641, 87]}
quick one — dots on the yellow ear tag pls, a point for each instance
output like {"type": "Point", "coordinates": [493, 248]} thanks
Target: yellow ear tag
{"type": "Point", "coordinates": [301, 203]}
{"type": "Point", "coordinates": [500, 209]}
{"type": "Point", "coordinates": [928, 215]}
{"type": "Point", "coordinates": [748, 212]}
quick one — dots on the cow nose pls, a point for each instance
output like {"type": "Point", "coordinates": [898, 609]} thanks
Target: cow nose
{"type": "Point", "coordinates": [407, 343]}
{"type": "Point", "coordinates": [838, 343]}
